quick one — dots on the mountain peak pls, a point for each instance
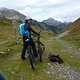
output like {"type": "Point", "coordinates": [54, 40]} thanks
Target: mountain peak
{"type": "Point", "coordinates": [51, 19]}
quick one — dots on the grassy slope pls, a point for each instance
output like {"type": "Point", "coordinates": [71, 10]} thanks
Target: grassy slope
{"type": "Point", "coordinates": [74, 35]}
{"type": "Point", "coordinates": [16, 69]}
{"type": "Point", "coordinates": [10, 63]}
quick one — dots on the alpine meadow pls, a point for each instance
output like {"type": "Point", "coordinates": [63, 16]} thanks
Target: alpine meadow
{"type": "Point", "coordinates": [59, 38]}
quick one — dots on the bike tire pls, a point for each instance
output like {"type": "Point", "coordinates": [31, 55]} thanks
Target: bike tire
{"type": "Point", "coordinates": [31, 57]}
{"type": "Point", "coordinates": [40, 54]}
{"type": "Point", "coordinates": [40, 57]}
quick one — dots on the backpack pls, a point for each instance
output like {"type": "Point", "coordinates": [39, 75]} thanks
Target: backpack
{"type": "Point", "coordinates": [55, 58]}
{"type": "Point", "coordinates": [22, 30]}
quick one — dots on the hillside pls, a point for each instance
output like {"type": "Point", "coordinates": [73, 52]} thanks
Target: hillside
{"type": "Point", "coordinates": [73, 27]}
{"type": "Point", "coordinates": [10, 14]}
{"type": "Point", "coordinates": [5, 22]}
{"type": "Point", "coordinates": [15, 69]}
{"type": "Point", "coordinates": [51, 24]}
{"type": "Point", "coordinates": [73, 34]}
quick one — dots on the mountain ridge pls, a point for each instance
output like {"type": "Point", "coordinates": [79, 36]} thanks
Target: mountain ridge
{"type": "Point", "coordinates": [49, 24]}
{"type": "Point", "coordinates": [10, 13]}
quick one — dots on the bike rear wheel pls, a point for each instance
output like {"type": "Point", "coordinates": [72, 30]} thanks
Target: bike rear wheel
{"type": "Point", "coordinates": [31, 57]}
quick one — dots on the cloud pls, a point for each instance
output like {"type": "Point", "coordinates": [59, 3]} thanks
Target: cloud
{"type": "Point", "coordinates": [64, 10]}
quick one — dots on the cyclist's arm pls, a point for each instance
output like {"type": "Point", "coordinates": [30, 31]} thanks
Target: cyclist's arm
{"type": "Point", "coordinates": [34, 32]}
{"type": "Point", "coordinates": [30, 29]}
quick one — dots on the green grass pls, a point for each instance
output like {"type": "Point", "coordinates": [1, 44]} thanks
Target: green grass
{"type": "Point", "coordinates": [4, 22]}
{"type": "Point", "coordinates": [70, 57]}
{"type": "Point", "coordinates": [72, 39]}
{"type": "Point", "coordinates": [16, 69]}
{"type": "Point", "coordinates": [12, 65]}
{"type": "Point", "coordinates": [74, 34]}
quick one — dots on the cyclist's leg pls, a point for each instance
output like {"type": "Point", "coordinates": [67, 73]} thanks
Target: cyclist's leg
{"type": "Point", "coordinates": [34, 48]}
{"type": "Point", "coordinates": [24, 48]}
{"type": "Point", "coordinates": [24, 51]}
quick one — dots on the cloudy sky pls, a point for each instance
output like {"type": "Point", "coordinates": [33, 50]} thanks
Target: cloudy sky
{"type": "Point", "coordinates": [62, 10]}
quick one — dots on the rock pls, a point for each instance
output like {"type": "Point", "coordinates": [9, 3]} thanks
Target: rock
{"type": "Point", "coordinates": [79, 49]}
{"type": "Point", "coordinates": [49, 64]}
{"type": "Point", "coordinates": [2, 52]}
{"type": "Point", "coordinates": [32, 74]}
{"type": "Point", "coordinates": [17, 42]}
{"type": "Point", "coordinates": [12, 72]}
{"type": "Point", "coordinates": [21, 78]}
{"type": "Point", "coordinates": [48, 72]}
{"type": "Point", "coordinates": [71, 56]}
{"type": "Point", "coordinates": [8, 50]}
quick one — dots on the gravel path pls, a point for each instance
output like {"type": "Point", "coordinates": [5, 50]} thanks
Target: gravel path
{"type": "Point", "coordinates": [61, 72]}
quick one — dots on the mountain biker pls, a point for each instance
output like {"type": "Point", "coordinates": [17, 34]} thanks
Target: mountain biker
{"type": "Point", "coordinates": [26, 37]}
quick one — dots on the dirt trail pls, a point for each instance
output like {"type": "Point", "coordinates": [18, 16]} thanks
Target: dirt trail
{"type": "Point", "coordinates": [63, 71]}
{"type": "Point", "coordinates": [70, 48]}
{"type": "Point", "coordinates": [3, 42]}
{"type": "Point", "coordinates": [63, 34]}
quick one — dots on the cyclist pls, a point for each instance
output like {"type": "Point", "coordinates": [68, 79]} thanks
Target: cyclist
{"type": "Point", "coordinates": [27, 28]}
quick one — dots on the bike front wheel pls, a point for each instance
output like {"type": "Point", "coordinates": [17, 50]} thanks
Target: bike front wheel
{"type": "Point", "coordinates": [41, 49]}
{"type": "Point", "coordinates": [40, 54]}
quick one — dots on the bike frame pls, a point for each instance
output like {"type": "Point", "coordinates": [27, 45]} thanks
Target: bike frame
{"type": "Point", "coordinates": [40, 46]}
{"type": "Point", "coordinates": [40, 49]}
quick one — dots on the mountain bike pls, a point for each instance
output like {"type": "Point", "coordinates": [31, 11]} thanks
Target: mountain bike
{"type": "Point", "coordinates": [40, 49]}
